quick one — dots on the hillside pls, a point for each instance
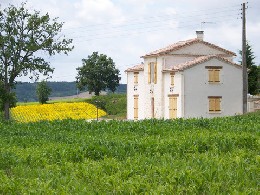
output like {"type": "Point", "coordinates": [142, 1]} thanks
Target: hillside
{"type": "Point", "coordinates": [26, 92]}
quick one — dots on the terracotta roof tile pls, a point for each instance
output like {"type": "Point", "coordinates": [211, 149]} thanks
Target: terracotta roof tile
{"type": "Point", "coordinates": [181, 44]}
{"type": "Point", "coordinates": [138, 67]}
{"type": "Point", "coordinates": [200, 60]}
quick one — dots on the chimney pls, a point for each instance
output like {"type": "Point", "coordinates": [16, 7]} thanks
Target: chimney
{"type": "Point", "coordinates": [200, 34]}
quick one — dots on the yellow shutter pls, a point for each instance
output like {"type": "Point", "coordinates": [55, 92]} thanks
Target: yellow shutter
{"type": "Point", "coordinates": [155, 72]}
{"type": "Point", "coordinates": [211, 75]}
{"type": "Point", "coordinates": [214, 104]}
{"type": "Point", "coordinates": [217, 104]}
{"type": "Point", "coordinates": [216, 75]}
{"type": "Point", "coordinates": [211, 104]}
{"type": "Point", "coordinates": [135, 107]}
{"type": "Point", "coordinates": [172, 107]}
{"type": "Point", "coordinates": [149, 72]}
{"type": "Point", "coordinates": [172, 79]}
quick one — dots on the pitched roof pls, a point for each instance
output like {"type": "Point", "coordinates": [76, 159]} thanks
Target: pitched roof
{"type": "Point", "coordinates": [200, 60]}
{"type": "Point", "coordinates": [181, 44]}
{"type": "Point", "coordinates": [138, 67]}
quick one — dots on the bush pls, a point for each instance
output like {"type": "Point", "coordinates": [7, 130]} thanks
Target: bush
{"type": "Point", "coordinates": [113, 104]}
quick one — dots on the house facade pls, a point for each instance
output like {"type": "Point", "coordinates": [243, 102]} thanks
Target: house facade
{"type": "Point", "coordinates": [191, 78]}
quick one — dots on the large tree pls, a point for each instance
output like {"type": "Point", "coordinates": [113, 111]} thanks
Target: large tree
{"type": "Point", "coordinates": [25, 37]}
{"type": "Point", "coordinates": [98, 73]}
{"type": "Point", "coordinates": [253, 72]}
{"type": "Point", "coordinates": [43, 91]}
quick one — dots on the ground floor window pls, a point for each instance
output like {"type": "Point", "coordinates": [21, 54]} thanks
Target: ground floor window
{"type": "Point", "coordinates": [214, 104]}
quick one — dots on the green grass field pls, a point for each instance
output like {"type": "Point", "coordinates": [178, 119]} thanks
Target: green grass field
{"type": "Point", "coordinates": [193, 156]}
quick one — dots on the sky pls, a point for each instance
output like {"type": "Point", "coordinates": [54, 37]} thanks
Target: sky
{"type": "Point", "coordinates": [127, 29]}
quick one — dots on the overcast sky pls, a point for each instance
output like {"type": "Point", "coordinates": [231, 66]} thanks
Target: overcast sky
{"type": "Point", "coordinates": [127, 29]}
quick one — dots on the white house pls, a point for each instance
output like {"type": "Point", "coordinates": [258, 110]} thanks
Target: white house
{"type": "Point", "coordinates": [191, 78]}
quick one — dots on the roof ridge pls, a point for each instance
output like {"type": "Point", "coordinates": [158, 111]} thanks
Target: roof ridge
{"type": "Point", "coordinates": [200, 59]}
{"type": "Point", "coordinates": [180, 44]}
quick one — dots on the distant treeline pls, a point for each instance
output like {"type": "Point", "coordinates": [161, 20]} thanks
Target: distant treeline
{"type": "Point", "coordinates": [26, 92]}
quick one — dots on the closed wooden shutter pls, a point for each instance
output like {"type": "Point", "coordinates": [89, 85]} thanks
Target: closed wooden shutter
{"type": "Point", "coordinates": [172, 107]}
{"type": "Point", "coordinates": [217, 104]}
{"type": "Point", "coordinates": [211, 104]}
{"type": "Point", "coordinates": [172, 79]}
{"type": "Point", "coordinates": [216, 75]}
{"type": "Point", "coordinates": [155, 73]}
{"type": "Point", "coordinates": [149, 72]}
{"type": "Point", "coordinates": [135, 107]}
{"type": "Point", "coordinates": [211, 75]}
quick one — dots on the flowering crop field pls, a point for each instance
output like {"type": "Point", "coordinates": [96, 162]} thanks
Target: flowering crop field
{"type": "Point", "coordinates": [56, 111]}
{"type": "Point", "coordinates": [182, 156]}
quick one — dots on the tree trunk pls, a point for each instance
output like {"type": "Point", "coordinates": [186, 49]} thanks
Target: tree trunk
{"type": "Point", "coordinates": [7, 102]}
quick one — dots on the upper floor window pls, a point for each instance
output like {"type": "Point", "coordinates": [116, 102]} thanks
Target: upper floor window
{"type": "Point", "coordinates": [172, 79]}
{"type": "Point", "coordinates": [136, 78]}
{"type": "Point", "coordinates": [214, 73]}
{"type": "Point", "coordinates": [152, 72]}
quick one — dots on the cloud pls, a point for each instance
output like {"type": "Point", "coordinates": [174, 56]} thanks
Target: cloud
{"type": "Point", "coordinates": [97, 11]}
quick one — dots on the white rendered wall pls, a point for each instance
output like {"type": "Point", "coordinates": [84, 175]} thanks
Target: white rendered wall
{"type": "Point", "coordinates": [131, 93]}
{"type": "Point", "coordinates": [197, 89]}
{"type": "Point", "coordinates": [177, 89]}
{"type": "Point", "coordinates": [198, 49]}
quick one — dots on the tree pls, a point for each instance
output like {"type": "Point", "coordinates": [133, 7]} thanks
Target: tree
{"type": "Point", "coordinates": [253, 74]}
{"type": "Point", "coordinates": [24, 38]}
{"type": "Point", "coordinates": [98, 73]}
{"type": "Point", "coordinates": [43, 91]}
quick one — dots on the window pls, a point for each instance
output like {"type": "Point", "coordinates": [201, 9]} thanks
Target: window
{"type": "Point", "coordinates": [214, 104]}
{"type": "Point", "coordinates": [136, 77]}
{"type": "Point", "coordinates": [172, 79]}
{"type": "Point", "coordinates": [152, 72]}
{"type": "Point", "coordinates": [136, 107]}
{"type": "Point", "coordinates": [214, 73]}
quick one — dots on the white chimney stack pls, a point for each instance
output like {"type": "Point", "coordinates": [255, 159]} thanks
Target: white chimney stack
{"type": "Point", "coordinates": [200, 34]}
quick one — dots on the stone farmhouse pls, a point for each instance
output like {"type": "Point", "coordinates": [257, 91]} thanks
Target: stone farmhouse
{"type": "Point", "coordinates": [191, 78]}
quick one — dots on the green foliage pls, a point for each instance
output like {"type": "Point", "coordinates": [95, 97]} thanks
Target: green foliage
{"type": "Point", "coordinates": [3, 97]}
{"type": "Point", "coordinates": [253, 74]}
{"type": "Point", "coordinates": [24, 35]}
{"type": "Point", "coordinates": [113, 104]}
{"type": "Point", "coordinates": [98, 73]}
{"type": "Point", "coordinates": [193, 156]}
{"type": "Point", "coordinates": [43, 91]}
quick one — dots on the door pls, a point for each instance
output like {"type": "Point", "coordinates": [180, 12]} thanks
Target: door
{"type": "Point", "coordinates": [152, 106]}
{"type": "Point", "coordinates": [135, 107]}
{"type": "Point", "coordinates": [172, 107]}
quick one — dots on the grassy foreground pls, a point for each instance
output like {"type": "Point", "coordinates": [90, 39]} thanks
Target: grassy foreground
{"type": "Point", "coordinates": [195, 156]}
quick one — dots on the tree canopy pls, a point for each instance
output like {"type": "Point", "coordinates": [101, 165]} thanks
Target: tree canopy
{"type": "Point", "coordinates": [25, 38]}
{"type": "Point", "coordinates": [253, 74]}
{"type": "Point", "coordinates": [43, 91]}
{"type": "Point", "coordinates": [98, 73]}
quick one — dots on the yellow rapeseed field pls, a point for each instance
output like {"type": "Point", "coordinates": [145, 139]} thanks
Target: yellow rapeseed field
{"type": "Point", "coordinates": [56, 111]}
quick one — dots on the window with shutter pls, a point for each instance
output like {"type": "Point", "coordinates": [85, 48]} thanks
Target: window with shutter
{"type": "Point", "coordinates": [214, 73]}
{"type": "Point", "coordinates": [155, 73]}
{"type": "Point", "coordinates": [135, 107]}
{"type": "Point", "coordinates": [172, 79]}
{"type": "Point", "coordinates": [214, 104]}
{"type": "Point", "coordinates": [152, 72]}
{"type": "Point", "coordinates": [149, 73]}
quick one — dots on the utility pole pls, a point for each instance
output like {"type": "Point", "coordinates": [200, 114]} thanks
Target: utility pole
{"type": "Point", "coordinates": [245, 81]}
